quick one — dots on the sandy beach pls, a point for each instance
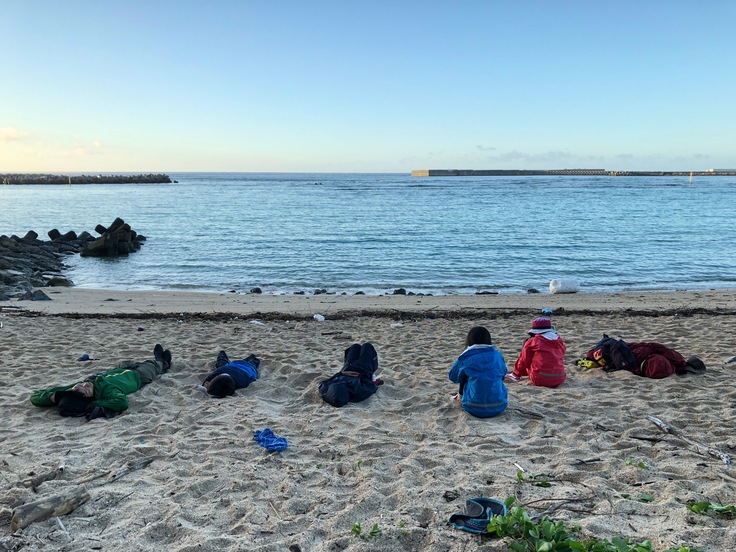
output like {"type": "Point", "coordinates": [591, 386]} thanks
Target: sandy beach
{"type": "Point", "coordinates": [404, 460]}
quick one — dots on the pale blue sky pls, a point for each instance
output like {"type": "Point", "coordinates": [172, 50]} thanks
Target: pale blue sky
{"type": "Point", "coordinates": [379, 86]}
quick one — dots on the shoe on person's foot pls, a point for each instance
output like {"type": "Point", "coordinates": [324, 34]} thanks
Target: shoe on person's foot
{"type": "Point", "coordinates": [166, 357]}
{"type": "Point", "coordinates": [222, 359]}
{"type": "Point", "coordinates": [158, 352]}
{"type": "Point", "coordinates": [513, 377]}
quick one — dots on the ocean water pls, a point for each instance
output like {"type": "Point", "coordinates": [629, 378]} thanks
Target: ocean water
{"type": "Point", "coordinates": [377, 232]}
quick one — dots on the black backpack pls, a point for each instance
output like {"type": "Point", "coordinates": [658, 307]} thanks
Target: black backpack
{"type": "Point", "coordinates": [614, 353]}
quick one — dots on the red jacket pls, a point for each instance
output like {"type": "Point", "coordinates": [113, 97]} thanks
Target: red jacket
{"type": "Point", "coordinates": [656, 361]}
{"type": "Point", "coordinates": [543, 360]}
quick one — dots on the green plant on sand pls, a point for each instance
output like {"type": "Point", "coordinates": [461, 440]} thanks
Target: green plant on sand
{"type": "Point", "coordinates": [546, 535]}
{"type": "Point", "coordinates": [375, 531]}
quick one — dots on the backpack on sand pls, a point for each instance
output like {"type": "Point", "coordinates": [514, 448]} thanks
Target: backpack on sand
{"type": "Point", "coordinates": [613, 354]}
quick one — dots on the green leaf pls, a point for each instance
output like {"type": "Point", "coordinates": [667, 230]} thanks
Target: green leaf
{"type": "Point", "coordinates": [727, 511]}
{"type": "Point", "coordinates": [356, 530]}
{"type": "Point", "coordinates": [644, 497]}
{"type": "Point", "coordinates": [520, 475]}
{"type": "Point", "coordinates": [547, 529]}
{"type": "Point", "coordinates": [375, 531]}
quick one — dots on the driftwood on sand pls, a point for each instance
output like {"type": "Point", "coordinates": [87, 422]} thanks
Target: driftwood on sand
{"type": "Point", "coordinates": [725, 458]}
{"type": "Point", "coordinates": [48, 507]}
{"type": "Point", "coordinates": [131, 468]}
{"type": "Point", "coordinates": [38, 479]}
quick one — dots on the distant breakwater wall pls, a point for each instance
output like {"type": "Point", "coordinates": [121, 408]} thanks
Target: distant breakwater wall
{"type": "Point", "coordinates": [563, 172]}
{"type": "Point", "coordinates": [85, 179]}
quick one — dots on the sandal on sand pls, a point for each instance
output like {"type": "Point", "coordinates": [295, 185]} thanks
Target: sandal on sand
{"type": "Point", "coordinates": [513, 377]}
{"type": "Point", "coordinates": [478, 512]}
{"type": "Point", "coordinates": [484, 507]}
{"type": "Point", "coordinates": [470, 524]}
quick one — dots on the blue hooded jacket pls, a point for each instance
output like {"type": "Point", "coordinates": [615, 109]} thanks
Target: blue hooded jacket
{"type": "Point", "coordinates": [482, 368]}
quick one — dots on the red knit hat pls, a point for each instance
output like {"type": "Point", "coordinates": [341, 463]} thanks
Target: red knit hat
{"type": "Point", "coordinates": [541, 325]}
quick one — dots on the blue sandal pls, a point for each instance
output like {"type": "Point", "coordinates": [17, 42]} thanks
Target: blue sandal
{"type": "Point", "coordinates": [478, 512]}
{"type": "Point", "coordinates": [484, 507]}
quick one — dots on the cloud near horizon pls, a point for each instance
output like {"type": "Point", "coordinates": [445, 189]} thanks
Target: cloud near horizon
{"type": "Point", "coordinates": [9, 134]}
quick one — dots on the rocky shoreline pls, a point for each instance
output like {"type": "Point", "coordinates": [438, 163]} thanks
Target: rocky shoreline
{"type": "Point", "coordinates": [28, 262]}
{"type": "Point", "coordinates": [85, 179]}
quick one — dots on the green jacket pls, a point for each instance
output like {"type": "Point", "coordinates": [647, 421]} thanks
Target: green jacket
{"type": "Point", "coordinates": [111, 389]}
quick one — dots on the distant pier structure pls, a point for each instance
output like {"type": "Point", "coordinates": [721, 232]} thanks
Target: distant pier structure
{"type": "Point", "coordinates": [565, 172]}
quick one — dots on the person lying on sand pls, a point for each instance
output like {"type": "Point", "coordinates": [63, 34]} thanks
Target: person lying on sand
{"type": "Point", "coordinates": [104, 394]}
{"type": "Point", "coordinates": [542, 357]}
{"type": "Point", "coordinates": [480, 370]}
{"type": "Point", "coordinates": [230, 375]}
{"type": "Point", "coordinates": [356, 381]}
{"type": "Point", "coordinates": [646, 359]}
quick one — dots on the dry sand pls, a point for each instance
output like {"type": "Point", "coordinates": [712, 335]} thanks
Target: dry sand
{"type": "Point", "coordinates": [394, 460]}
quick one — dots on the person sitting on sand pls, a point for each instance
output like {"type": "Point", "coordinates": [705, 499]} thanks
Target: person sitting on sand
{"type": "Point", "coordinates": [104, 394]}
{"type": "Point", "coordinates": [230, 375]}
{"type": "Point", "coordinates": [542, 357]}
{"type": "Point", "coordinates": [480, 370]}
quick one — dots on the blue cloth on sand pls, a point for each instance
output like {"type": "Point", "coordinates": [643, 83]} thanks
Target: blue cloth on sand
{"type": "Point", "coordinates": [267, 439]}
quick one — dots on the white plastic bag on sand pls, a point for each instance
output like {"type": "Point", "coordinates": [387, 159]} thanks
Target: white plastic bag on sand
{"type": "Point", "coordinates": [319, 318]}
{"type": "Point", "coordinates": [563, 286]}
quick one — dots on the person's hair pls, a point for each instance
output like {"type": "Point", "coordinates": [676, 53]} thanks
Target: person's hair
{"type": "Point", "coordinates": [221, 386]}
{"type": "Point", "coordinates": [72, 403]}
{"type": "Point", "coordinates": [478, 335]}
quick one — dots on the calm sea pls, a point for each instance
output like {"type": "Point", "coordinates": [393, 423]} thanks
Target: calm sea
{"type": "Point", "coordinates": [378, 232]}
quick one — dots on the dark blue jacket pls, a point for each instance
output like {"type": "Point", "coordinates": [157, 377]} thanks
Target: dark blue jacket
{"type": "Point", "coordinates": [354, 382]}
{"type": "Point", "coordinates": [242, 372]}
{"type": "Point", "coordinates": [482, 368]}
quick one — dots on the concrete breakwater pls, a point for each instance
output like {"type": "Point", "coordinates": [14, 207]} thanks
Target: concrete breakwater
{"type": "Point", "coordinates": [29, 262]}
{"type": "Point", "coordinates": [85, 179]}
{"type": "Point", "coordinates": [564, 172]}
